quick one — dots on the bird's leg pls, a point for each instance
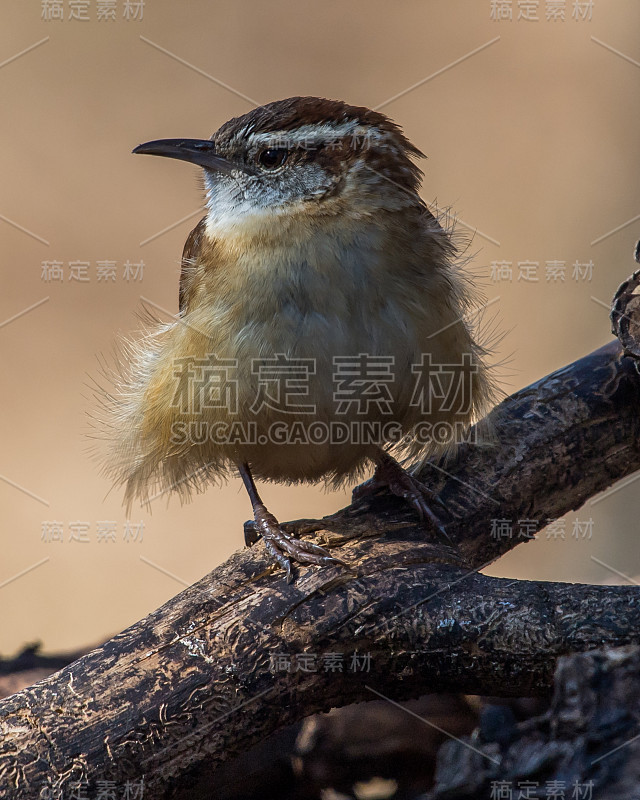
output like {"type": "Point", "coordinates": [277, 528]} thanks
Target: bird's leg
{"type": "Point", "coordinates": [280, 546]}
{"type": "Point", "coordinates": [390, 475]}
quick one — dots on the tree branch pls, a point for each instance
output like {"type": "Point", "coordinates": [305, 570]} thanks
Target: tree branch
{"type": "Point", "coordinates": [587, 744]}
{"type": "Point", "coordinates": [194, 683]}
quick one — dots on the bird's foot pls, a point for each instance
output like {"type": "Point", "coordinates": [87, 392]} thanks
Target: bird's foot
{"type": "Point", "coordinates": [282, 547]}
{"type": "Point", "coordinates": [391, 476]}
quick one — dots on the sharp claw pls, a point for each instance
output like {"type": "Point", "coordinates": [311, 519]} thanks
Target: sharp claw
{"type": "Point", "coordinates": [439, 502]}
{"type": "Point", "coordinates": [329, 560]}
{"type": "Point", "coordinates": [289, 571]}
{"type": "Point", "coordinates": [426, 513]}
{"type": "Point", "coordinates": [284, 549]}
{"type": "Point", "coordinates": [417, 502]}
{"type": "Point", "coordinates": [251, 535]}
{"type": "Point", "coordinates": [310, 547]}
{"type": "Point", "coordinates": [403, 484]}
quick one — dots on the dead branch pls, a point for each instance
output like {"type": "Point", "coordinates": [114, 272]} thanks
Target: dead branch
{"type": "Point", "coordinates": [204, 677]}
{"type": "Point", "coordinates": [587, 745]}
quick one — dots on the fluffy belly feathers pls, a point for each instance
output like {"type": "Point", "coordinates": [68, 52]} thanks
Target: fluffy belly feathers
{"type": "Point", "coordinates": [301, 370]}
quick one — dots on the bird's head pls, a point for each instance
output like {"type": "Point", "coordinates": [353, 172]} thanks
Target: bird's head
{"type": "Point", "coordinates": [302, 156]}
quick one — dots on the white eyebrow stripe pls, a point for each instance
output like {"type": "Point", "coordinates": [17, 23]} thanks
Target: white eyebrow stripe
{"type": "Point", "coordinates": [323, 132]}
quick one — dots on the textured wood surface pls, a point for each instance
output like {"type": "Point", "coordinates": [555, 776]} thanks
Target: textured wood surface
{"type": "Point", "coordinates": [194, 683]}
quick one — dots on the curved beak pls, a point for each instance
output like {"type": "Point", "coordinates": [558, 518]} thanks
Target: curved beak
{"type": "Point", "coordinates": [197, 151]}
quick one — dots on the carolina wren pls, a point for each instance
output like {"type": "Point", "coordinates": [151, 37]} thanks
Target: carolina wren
{"type": "Point", "coordinates": [321, 326]}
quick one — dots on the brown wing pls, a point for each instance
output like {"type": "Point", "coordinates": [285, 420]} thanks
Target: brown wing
{"type": "Point", "coordinates": [190, 254]}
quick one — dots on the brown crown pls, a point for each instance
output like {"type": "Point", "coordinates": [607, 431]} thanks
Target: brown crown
{"type": "Point", "coordinates": [294, 112]}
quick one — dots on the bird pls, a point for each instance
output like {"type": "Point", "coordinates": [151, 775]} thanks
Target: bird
{"type": "Point", "coordinates": [323, 326]}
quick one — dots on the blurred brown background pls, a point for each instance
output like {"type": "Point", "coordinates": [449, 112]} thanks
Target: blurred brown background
{"type": "Point", "coordinates": [531, 128]}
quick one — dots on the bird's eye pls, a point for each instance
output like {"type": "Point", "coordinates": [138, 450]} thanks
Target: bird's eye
{"type": "Point", "coordinates": [273, 157]}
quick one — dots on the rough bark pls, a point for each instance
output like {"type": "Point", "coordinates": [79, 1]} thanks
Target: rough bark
{"type": "Point", "coordinates": [189, 686]}
{"type": "Point", "coordinates": [625, 313]}
{"type": "Point", "coordinates": [586, 746]}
